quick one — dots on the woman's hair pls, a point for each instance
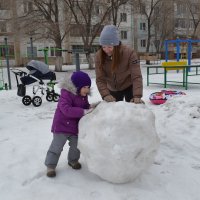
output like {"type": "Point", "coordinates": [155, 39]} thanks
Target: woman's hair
{"type": "Point", "coordinates": [115, 58]}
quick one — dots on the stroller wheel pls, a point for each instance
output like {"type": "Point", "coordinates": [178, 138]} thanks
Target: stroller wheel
{"type": "Point", "coordinates": [56, 97]}
{"type": "Point", "coordinates": [49, 97]}
{"type": "Point", "coordinates": [37, 101]}
{"type": "Point", "coordinates": [26, 100]}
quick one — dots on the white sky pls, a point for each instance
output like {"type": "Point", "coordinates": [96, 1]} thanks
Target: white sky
{"type": "Point", "coordinates": [25, 137]}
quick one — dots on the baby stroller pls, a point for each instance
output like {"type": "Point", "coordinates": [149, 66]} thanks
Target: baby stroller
{"type": "Point", "coordinates": [38, 71]}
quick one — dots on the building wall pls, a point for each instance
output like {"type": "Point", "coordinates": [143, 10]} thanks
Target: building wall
{"type": "Point", "coordinates": [132, 31]}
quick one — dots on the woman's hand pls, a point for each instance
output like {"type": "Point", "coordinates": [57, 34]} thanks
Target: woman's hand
{"type": "Point", "coordinates": [137, 100]}
{"type": "Point", "coordinates": [109, 98]}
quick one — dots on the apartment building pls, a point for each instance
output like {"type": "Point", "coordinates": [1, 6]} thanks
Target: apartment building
{"type": "Point", "coordinates": [124, 23]}
{"type": "Point", "coordinates": [21, 47]}
{"type": "Point", "coordinates": [133, 30]}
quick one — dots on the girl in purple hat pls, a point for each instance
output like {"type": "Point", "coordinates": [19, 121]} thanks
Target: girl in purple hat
{"type": "Point", "coordinates": [73, 104]}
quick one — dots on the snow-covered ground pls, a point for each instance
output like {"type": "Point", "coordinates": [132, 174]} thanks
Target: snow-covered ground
{"type": "Point", "coordinates": [25, 137]}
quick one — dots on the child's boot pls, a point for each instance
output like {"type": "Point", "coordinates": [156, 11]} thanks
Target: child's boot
{"type": "Point", "coordinates": [51, 172]}
{"type": "Point", "coordinates": [75, 165]}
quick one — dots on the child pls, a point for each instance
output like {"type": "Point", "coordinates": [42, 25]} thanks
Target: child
{"type": "Point", "coordinates": [73, 104]}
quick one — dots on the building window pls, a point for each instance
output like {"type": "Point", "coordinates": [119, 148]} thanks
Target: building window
{"type": "Point", "coordinates": [123, 35]}
{"type": "Point", "coordinates": [142, 9]}
{"type": "Point", "coordinates": [52, 51]}
{"type": "Point", "coordinates": [75, 30]}
{"type": "Point", "coordinates": [157, 11]}
{"type": "Point", "coordinates": [191, 24]}
{"type": "Point", "coordinates": [97, 9]}
{"type": "Point", "coordinates": [157, 43]}
{"type": "Point", "coordinates": [181, 9]}
{"type": "Point", "coordinates": [29, 52]}
{"type": "Point", "coordinates": [194, 8]}
{"type": "Point", "coordinates": [143, 26]}
{"type": "Point", "coordinates": [180, 23]}
{"type": "Point", "coordinates": [31, 32]}
{"type": "Point", "coordinates": [10, 51]}
{"type": "Point", "coordinates": [3, 28]}
{"type": "Point", "coordinates": [4, 5]}
{"type": "Point", "coordinates": [78, 48]}
{"type": "Point", "coordinates": [176, 23]}
{"type": "Point", "coordinates": [28, 6]}
{"type": "Point", "coordinates": [123, 17]}
{"type": "Point", "coordinates": [143, 43]}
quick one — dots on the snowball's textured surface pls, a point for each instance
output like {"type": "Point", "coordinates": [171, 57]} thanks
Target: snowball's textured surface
{"type": "Point", "coordinates": [118, 140]}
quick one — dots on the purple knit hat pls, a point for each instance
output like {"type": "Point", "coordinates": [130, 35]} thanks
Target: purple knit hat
{"type": "Point", "coordinates": [80, 79]}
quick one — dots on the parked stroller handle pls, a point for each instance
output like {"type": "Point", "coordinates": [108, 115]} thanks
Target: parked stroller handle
{"type": "Point", "coordinates": [18, 72]}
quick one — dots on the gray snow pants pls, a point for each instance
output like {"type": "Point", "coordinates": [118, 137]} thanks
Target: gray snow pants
{"type": "Point", "coordinates": [56, 148]}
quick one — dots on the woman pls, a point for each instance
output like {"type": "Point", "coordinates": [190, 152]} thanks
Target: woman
{"type": "Point", "coordinates": [118, 73]}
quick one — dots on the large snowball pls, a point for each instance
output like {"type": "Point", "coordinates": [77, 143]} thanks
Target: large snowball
{"type": "Point", "coordinates": [118, 140]}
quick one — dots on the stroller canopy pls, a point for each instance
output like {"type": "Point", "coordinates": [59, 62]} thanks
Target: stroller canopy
{"type": "Point", "coordinates": [37, 65]}
{"type": "Point", "coordinates": [37, 70]}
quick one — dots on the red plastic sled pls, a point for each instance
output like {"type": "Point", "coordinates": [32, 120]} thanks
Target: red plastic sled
{"type": "Point", "coordinates": [161, 97]}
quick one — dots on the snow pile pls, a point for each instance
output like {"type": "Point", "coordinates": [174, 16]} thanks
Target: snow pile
{"type": "Point", "coordinates": [185, 107]}
{"type": "Point", "coordinates": [118, 140]}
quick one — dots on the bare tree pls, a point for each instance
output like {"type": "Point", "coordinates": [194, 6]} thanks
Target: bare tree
{"type": "Point", "coordinates": [194, 10]}
{"type": "Point", "coordinates": [115, 6]}
{"type": "Point", "coordinates": [147, 8]}
{"type": "Point", "coordinates": [89, 17]}
{"type": "Point", "coordinates": [44, 19]}
{"type": "Point", "coordinates": [9, 27]}
{"type": "Point", "coordinates": [163, 24]}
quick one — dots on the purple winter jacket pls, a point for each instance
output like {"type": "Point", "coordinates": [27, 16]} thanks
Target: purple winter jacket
{"type": "Point", "coordinates": [69, 110]}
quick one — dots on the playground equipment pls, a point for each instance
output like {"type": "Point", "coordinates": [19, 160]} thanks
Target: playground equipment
{"type": "Point", "coordinates": [4, 50]}
{"type": "Point", "coordinates": [76, 52]}
{"type": "Point", "coordinates": [170, 65]}
{"type": "Point", "coordinates": [3, 85]}
{"type": "Point", "coordinates": [46, 50]}
{"type": "Point", "coordinates": [39, 71]}
{"type": "Point", "coordinates": [187, 73]}
{"type": "Point", "coordinates": [178, 48]}
{"type": "Point", "coordinates": [184, 65]}
{"type": "Point", "coordinates": [7, 62]}
{"type": "Point", "coordinates": [175, 65]}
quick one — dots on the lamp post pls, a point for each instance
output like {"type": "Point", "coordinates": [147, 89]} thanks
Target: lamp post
{"type": "Point", "coordinates": [31, 43]}
{"type": "Point", "coordinates": [7, 62]}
